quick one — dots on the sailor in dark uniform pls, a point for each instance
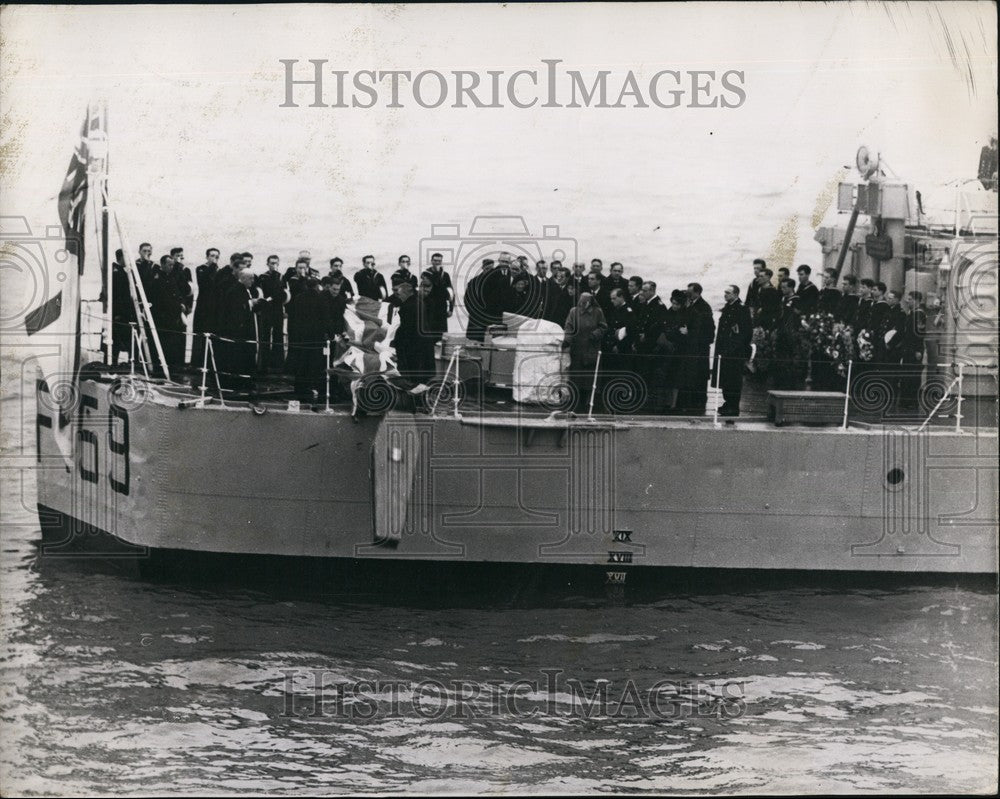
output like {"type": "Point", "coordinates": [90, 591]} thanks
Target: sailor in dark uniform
{"type": "Point", "coordinates": [861, 326]}
{"type": "Point", "coordinates": [305, 255]}
{"type": "Point", "coordinates": [848, 309]}
{"type": "Point", "coordinates": [272, 317]}
{"type": "Point", "coordinates": [202, 321]}
{"type": "Point", "coordinates": [298, 281]}
{"type": "Point", "coordinates": [337, 273]}
{"type": "Point", "coordinates": [877, 316]}
{"type": "Point", "coordinates": [168, 307]}
{"type": "Point", "coordinates": [309, 325]}
{"type": "Point", "coordinates": [863, 314]}
{"type": "Point", "coordinates": [429, 320]}
{"type": "Point", "coordinates": [823, 372]}
{"type": "Point", "coordinates": [441, 297]}
{"type": "Point", "coordinates": [753, 290]}
{"type": "Point", "coordinates": [337, 302]}
{"type": "Point", "coordinates": [182, 273]}
{"type": "Point", "coordinates": [370, 281]}
{"type": "Point", "coordinates": [227, 275]}
{"type": "Point", "coordinates": [403, 273]}
{"type": "Point", "coordinates": [732, 349]}
{"type": "Point", "coordinates": [409, 341]}
{"type": "Point", "coordinates": [702, 332]}
{"type": "Point", "coordinates": [889, 333]}
{"type": "Point", "coordinates": [145, 265]}
{"type": "Point", "coordinates": [830, 298]}
{"type": "Point", "coordinates": [806, 291]}
{"type": "Point", "coordinates": [790, 370]}
{"type": "Point", "coordinates": [911, 350]}
{"type": "Point", "coordinates": [768, 309]}
{"type": "Point", "coordinates": [122, 308]}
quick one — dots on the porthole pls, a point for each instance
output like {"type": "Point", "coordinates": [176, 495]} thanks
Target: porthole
{"type": "Point", "coordinates": [895, 476]}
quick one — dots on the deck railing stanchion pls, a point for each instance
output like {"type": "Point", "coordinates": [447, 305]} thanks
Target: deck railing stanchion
{"type": "Point", "coordinates": [593, 388]}
{"type": "Point", "coordinates": [204, 368]}
{"type": "Point", "coordinates": [327, 351]}
{"type": "Point", "coordinates": [458, 351]}
{"type": "Point", "coordinates": [958, 407]}
{"type": "Point", "coordinates": [215, 369]}
{"type": "Point", "coordinates": [847, 393]}
{"type": "Point", "coordinates": [131, 349]}
{"type": "Point", "coordinates": [715, 404]}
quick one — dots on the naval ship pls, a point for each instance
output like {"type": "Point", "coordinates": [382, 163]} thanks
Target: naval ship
{"type": "Point", "coordinates": [131, 465]}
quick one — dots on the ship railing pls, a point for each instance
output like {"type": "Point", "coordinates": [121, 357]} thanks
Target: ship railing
{"type": "Point", "coordinates": [625, 384]}
{"type": "Point", "coordinates": [964, 211]}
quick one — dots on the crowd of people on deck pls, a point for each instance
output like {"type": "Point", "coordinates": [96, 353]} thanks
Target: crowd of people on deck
{"type": "Point", "coordinates": [784, 332]}
{"type": "Point", "coordinates": [863, 330]}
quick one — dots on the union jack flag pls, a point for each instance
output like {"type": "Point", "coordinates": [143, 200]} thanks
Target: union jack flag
{"type": "Point", "coordinates": [57, 319]}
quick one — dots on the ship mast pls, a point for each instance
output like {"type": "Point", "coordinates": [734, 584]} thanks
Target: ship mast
{"type": "Point", "coordinates": [97, 167]}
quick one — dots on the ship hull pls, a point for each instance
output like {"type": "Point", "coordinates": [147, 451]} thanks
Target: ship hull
{"type": "Point", "coordinates": [615, 496]}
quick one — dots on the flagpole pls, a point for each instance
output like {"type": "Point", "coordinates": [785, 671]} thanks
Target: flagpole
{"type": "Point", "coordinates": [109, 314]}
{"type": "Point", "coordinates": [109, 305]}
{"type": "Point", "coordinates": [105, 276]}
{"type": "Point", "coordinates": [97, 169]}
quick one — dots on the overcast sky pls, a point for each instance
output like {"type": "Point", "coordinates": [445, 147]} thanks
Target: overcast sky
{"type": "Point", "coordinates": [202, 152]}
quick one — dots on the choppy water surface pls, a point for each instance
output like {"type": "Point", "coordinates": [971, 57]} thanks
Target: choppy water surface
{"type": "Point", "coordinates": [115, 684]}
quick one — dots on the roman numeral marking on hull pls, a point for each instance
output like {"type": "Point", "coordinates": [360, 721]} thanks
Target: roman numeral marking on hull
{"type": "Point", "coordinates": [619, 557]}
